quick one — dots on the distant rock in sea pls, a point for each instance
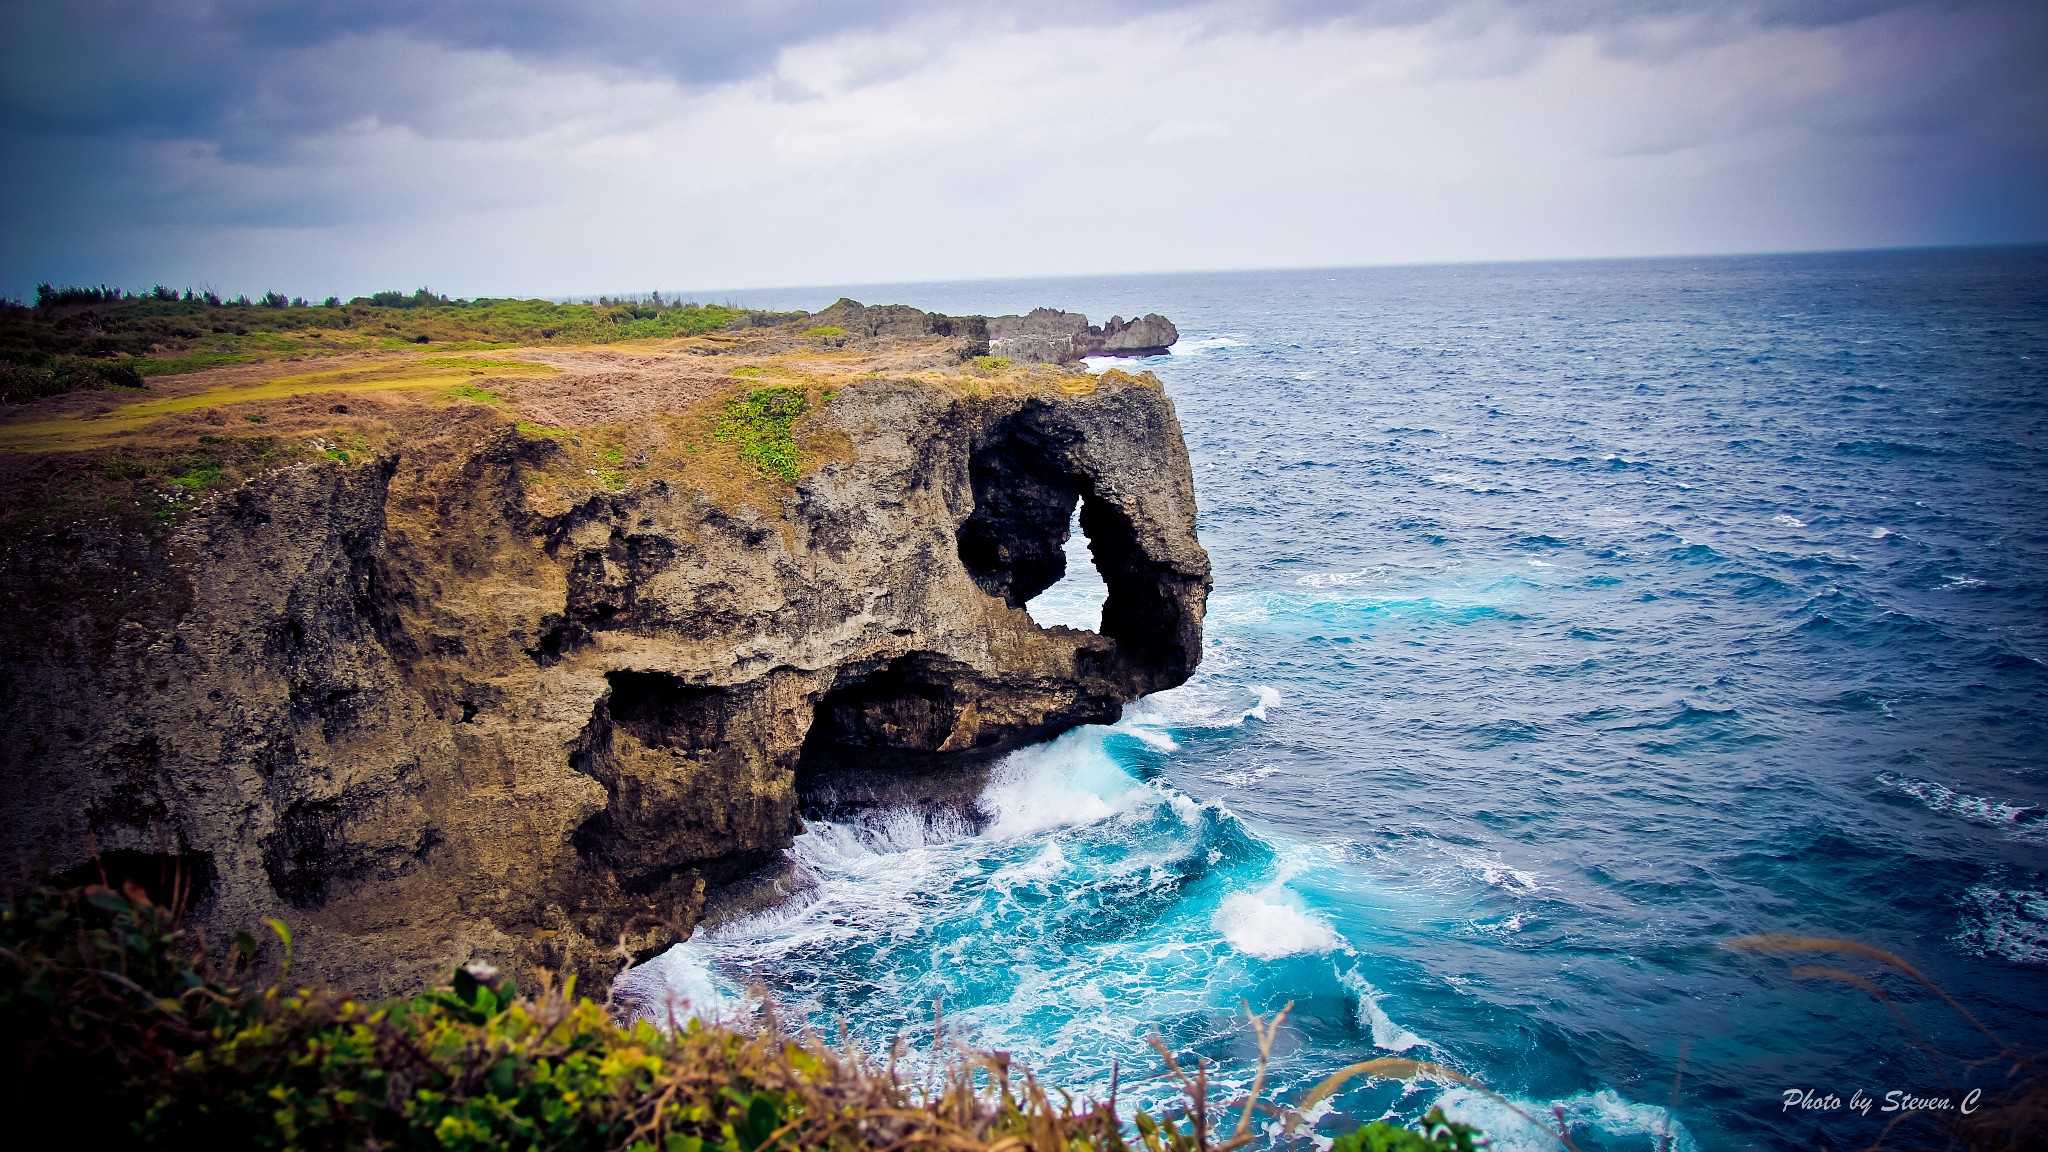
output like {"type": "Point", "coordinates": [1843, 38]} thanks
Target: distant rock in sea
{"type": "Point", "coordinates": [1049, 336]}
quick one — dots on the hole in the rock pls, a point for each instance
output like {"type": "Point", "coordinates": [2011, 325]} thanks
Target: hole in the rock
{"type": "Point", "coordinates": [661, 711]}
{"type": "Point", "coordinates": [1017, 541]}
{"type": "Point", "coordinates": [902, 735]}
{"type": "Point", "coordinates": [908, 706]}
{"type": "Point", "coordinates": [1076, 598]}
{"type": "Point", "coordinates": [1024, 500]}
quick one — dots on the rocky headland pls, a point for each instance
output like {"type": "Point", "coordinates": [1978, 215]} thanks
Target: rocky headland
{"type": "Point", "coordinates": [1049, 336]}
{"type": "Point", "coordinates": [523, 654]}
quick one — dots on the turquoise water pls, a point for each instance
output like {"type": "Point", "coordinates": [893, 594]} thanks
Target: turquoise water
{"type": "Point", "coordinates": [1570, 620]}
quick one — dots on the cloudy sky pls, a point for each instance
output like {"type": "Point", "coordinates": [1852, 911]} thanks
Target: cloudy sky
{"type": "Point", "coordinates": [550, 147]}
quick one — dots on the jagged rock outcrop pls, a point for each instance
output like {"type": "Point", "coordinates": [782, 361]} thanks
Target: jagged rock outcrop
{"type": "Point", "coordinates": [426, 720]}
{"type": "Point", "coordinates": [1050, 336]}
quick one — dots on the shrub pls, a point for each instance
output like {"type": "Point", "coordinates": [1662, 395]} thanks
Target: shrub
{"type": "Point", "coordinates": [761, 424]}
{"type": "Point", "coordinates": [33, 377]}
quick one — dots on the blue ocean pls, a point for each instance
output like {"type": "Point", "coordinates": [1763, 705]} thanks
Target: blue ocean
{"type": "Point", "coordinates": [1571, 620]}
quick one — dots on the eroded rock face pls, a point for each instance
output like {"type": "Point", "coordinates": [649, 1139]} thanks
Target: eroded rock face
{"type": "Point", "coordinates": [1049, 336]}
{"type": "Point", "coordinates": [424, 723]}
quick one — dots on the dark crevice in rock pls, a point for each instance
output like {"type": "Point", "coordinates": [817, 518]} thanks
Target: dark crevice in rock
{"type": "Point", "coordinates": [662, 747]}
{"type": "Point", "coordinates": [905, 731]}
{"type": "Point", "coordinates": [176, 880]}
{"type": "Point", "coordinates": [662, 711]}
{"type": "Point", "coordinates": [323, 844]}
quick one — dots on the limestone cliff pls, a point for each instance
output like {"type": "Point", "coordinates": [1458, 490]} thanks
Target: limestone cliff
{"type": "Point", "coordinates": [532, 667]}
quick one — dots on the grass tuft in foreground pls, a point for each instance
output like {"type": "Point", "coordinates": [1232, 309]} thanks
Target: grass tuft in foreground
{"type": "Point", "coordinates": [113, 1028]}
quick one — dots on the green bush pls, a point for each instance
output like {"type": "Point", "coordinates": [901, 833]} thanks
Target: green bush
{"type": "Point", "coordinates": [1437, 1134]}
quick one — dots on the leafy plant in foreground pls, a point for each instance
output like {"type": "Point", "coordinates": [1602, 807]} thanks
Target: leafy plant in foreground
{"type": "Point", "coordinates": [115, 1027]}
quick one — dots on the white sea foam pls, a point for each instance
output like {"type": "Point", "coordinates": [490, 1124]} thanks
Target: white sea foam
{"type": "Point", "coordinates": [680, 985]}
{"type": "Point", "coordinates": [1267, 698]}
{"type": "Point", "coordinates": [1788, 521]}
{"type": "Point", "coordinates": [1605, 1111]}
{"type": "Point", "coordinates": [1049, 864]}
{"type": "Point", "coordinates": [1500, 875]}
{"type": "Point", "coordinates": [1336, 579]}
{"type": "Point", "coordinates": [1387, 1036]}
{"type": "Point", "coordinates": [2012, 923]}
{"type": "Point", "coordinates": [1270, 929]}
{"type": "Point", "coordinates": [1069, 781]}
{"type": "Point", "coordinates": [1201, 344]}
{"type": "Point", "coordinates": [1880, 533]}
{"type": "Point", "coordinates": [1976, 809]}
{"type": "Point", "coordinates": [1207, 703]}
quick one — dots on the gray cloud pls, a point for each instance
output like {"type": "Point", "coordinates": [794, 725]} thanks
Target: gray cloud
{"type": "Point", "coordinates": [233, 70]}
{"type": "Point", "coordinates": [234, 117]}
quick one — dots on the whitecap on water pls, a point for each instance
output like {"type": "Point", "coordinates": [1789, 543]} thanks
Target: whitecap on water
{"type": "Point", "coordinates": [1497, 874]}
{"type": "Point", "coordinates": [1201, 344]}
{"type": "Point", "coordinates": [1271, 928]}
{"type": "Point", "coordinates": [679, 985]}
{"type": "Point", "coordinates": [1050, 862]}
{"type": "Point", "coordinates": [1071, 780]}
{"type": "Point", "coordinates": [1204, 703]}
{"type": "Point", "coordinates": [1387, 1036]}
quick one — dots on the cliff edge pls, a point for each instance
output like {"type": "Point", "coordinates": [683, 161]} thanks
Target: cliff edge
{"type": "Point", "coordinates": [518, 656]}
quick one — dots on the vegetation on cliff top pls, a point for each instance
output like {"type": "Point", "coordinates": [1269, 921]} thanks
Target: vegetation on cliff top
{"type": "Point", "coordinates": [82, 338]}
{"type": "Point", "coordinates": [115, 1031]}
{"type": "Point", "coordinates": [761, 425]}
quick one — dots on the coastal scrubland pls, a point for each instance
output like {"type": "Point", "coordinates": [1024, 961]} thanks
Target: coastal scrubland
{"type": "Point", "coordinates": [129, 407]}
{"type": "Point", "coordinates": [74, 339]}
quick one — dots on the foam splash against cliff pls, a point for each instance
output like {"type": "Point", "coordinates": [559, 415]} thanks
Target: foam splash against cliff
{"type": "Point", "coordinates": [1091, 904]}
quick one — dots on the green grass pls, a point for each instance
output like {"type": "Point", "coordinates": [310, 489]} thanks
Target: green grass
{"type": "Point", "coordinates": [202, 471]}
{"type": "Point", "coordinates": [825, 330]}
{"type": "Point", "coordinates": [991, 363]}
{"type": "Point", "coordinates": [761, 424]}
{"type": "Point", "coordinates": [177, 365]}
{"type": "Point", "coordinates": [475, 392]}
